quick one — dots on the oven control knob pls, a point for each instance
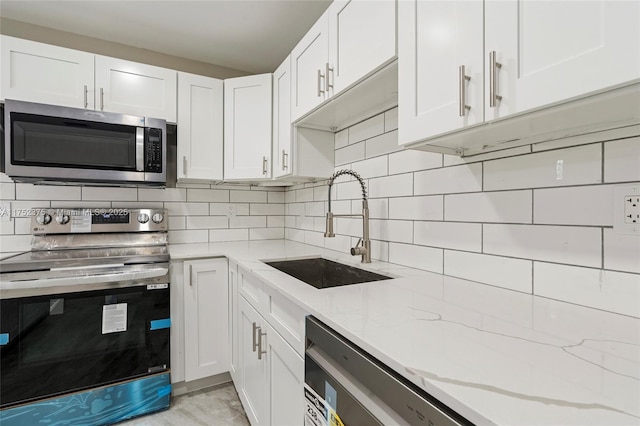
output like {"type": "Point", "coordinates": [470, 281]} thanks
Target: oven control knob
{"type": "Point", "coordinates": [143, 218]}
{"type": "Point", "coordinates": [62, 219]}
{"type": "Point", "coordinates": [43, 219]}
{"type": "Point", "coordinates": [157, 218]}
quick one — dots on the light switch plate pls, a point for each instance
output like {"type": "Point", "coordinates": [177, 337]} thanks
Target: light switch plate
{"type": "Point", "coordinates": [625, 210]}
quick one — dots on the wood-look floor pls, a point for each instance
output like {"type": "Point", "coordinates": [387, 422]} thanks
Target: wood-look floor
{"type": "Point", "coordinates": [214, 406]}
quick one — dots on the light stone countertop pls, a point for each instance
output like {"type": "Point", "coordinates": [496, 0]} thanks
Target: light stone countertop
{"type": "Point", "coordinates": [493, 355]}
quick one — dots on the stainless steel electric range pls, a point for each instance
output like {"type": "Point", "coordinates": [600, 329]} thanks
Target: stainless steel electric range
{"type": "Point", "coordinates": [84, 319]}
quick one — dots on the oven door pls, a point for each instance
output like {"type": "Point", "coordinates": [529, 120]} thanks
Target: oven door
{"type": "Point", "coordinates": [59, 343]}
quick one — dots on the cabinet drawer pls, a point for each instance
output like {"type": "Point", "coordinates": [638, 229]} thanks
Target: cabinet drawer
{"type": "Point", "coordinates": [286, 318]}
{"type": "Point", "coordinates": [252, 289]}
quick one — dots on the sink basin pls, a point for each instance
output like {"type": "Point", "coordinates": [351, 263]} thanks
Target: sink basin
{"type": "Point", "coordinates": [323, 273]}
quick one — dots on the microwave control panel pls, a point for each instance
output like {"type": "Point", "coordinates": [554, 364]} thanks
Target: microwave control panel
{"type": "Point", "coordinates": [153, 150]}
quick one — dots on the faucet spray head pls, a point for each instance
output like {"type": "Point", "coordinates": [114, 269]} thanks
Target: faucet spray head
{"type": "Point", "coordinates": [329, 228]}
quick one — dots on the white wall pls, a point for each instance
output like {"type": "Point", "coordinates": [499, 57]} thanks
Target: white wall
{"type": "Point", "coordinates": [504, 219]}
{"type": "Point", "coordinates": [197, 213]}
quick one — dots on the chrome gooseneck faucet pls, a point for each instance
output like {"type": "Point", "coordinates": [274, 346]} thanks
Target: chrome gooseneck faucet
{"type": "Point", "coordinates": [363, 247]}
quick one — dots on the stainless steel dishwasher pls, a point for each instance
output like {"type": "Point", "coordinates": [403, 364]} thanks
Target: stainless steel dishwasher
{"type": "Point", "coordinates": [346, 386]}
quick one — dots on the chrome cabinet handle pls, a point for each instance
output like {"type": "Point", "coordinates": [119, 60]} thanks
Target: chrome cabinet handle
{"type": "Point", "coordinates": [462, 90]}
{"type": "Point", "coordinates": [86, 101]}
{"type": "Point", "coordinates": [320, 77]}
{"type": "Point", "coordinates": [327, 85]}
{"type": "Point", "coordinates": [101, 99]}
{"type": "Point", "coordinates": [264, 165]}
{"type": "Point", "coordinates": [184, 165]}
{"type": "Point", "coordinates": [494, 66]}
{"type": "Point", "coordinates": [285, 158]}
{"type": "Point", "coordinates": [260, 335]}
{"type": "Point", "coordinates": [190, 275]}
{"type": "Point", "coordinates": [255, 328]}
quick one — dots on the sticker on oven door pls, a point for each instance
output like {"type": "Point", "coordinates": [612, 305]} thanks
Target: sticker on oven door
{"type": "Point", "coordinates": [81, 221]}
{"type": "Point", "coordinates": [114, 318]}
{"type": "Point", "coordinates": [315, 408]}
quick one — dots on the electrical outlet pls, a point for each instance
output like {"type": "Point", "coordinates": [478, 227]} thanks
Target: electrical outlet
{"type": "Point", "coordinates": [232, 211]}
{"type": "Point", "coordinates": [626, 210]}
{"type": "Point", "coordinates": [632, 209]}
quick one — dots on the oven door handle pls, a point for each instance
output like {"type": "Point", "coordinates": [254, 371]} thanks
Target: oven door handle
{"type": "Point", "coordinates": [80, 280]}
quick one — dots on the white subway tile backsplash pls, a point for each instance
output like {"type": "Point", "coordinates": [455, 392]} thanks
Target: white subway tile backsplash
{"type": "Point", "coordinates": [373, 167]}
{"type": "Point", "coordinates": [168, 194]}
{"type": "Point", "coordinates": [366, 129]}
{"type": "Point", "coordinates": [239, 196]}
{"type": "Point", "coordinates": [266, 233]}
{"type": "Point", "coordinates": [208, 195]}
{"type": "Point", "coordinates": [391, 120]}
{"type": "Point", "coordinates": [304, 195]}
{"type": "Point", "coordinates": [27, 191]}
{"type": "Point", "coordinates": [7, 190]}
{"type": "Point", "coordinates": [347, 190]}
{"type": "Point", "coordinates": [294, 234]}
{"type": "Point", "coordinates": [426, 258]}
{"type": "Point", "coordinates": [223, 209]}
{"type": "Point", "coordinates": [218, 235]}
{"type": "Point", "coordinates": [109, 194]}
{"type": "Point", "coordinates": [187, 209]}
{"type": "Point", "coordinates": [621, 252]}
{"type": "Point", "coordinates": [563, 167]}
{"type": "Point", "coordinates": [188, 236]}
{"type": "Point", "coordinates": [349, 154]}
{"type": "Point", "coordinates": [319, 224]}
{"type": "Point", "coordinates": [207, 222]}
{"type": "Point", "coordinates": [400, 231]}
{"type": "Point", "coordinates": [382, 144]}
{"type": "Point", "coordinates": [449, 180]}
{"type": "Point", "coordinates": [378, 207]}
{"type": "Point", "coordinates": [452, 235]}
{"type": "Point", "coordinates": [7, 227]}
{"type": "Point", "coordinates": [503, 206]}
{"type": "Point", "coordinates": [416, 208]}
{"type": "Point", "coordinates": [96, 204]}
{"type": "Point", "coordinates": [275, 197]}
{"type": "Point", "coordinates": [275, 221]}
{"type": "Point", "coordinates": [454, 160]}
{"type": "Point", "coordinates": [343, 206]}
{"type": "Point", "coordinates": [412, 161]}
{"type": "Point", "coordinates": [15, 243]}
{"type": "Point", "coordinates": [120, 204]}
{"type": "Point", "coordinates": [622, 160]}
{"type": "Point", "coordinates": [177, 222]}
{"type": "Point", "coordinates": [22, 225]}
{"type": "Point", "coordinates": [513, 274]}
{"type": "Point", "coordinates": [27, 208]}
{"type": "Point", "coordinates": [341, 139]}
{"type": "Point", "coordinates": [612, 291]}
{"type": "Point", "coordinates": [296, 209]}
{"type": "Point", "coordinates": [314, 238]}
{"type": "Point", "coordinates": [582, 205]}
{"type": "Point", "coordinates": [339, 243]}
{"type": "Point", "coordinates": [379, 250]}
{"type": "Point", "coordinates": [248, 222]}
{"type": "Point", "coordinates": [317, 208]}
{"type": "Point", "coordinates": [290, 197]}
{"type": "Point", "coordinates": [562, 244]}
{"type": "Point", "coordinates": [266, 209]}
{"type": "Point", "coordinates": [391, 186]}
{"type": "Point", "coordinates": [348, 226]}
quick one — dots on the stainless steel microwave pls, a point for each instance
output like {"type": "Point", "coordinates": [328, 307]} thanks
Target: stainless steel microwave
{"type": "Point", "coordinates": [48, 143]}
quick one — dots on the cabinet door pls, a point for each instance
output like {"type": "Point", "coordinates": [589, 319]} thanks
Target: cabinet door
{"type": "Point", "coordinates": [552, 51]}
{"type": "Point", "coordinates": [38, 72]}
{"type": "Point", "coordinates": [437, 38]}
{"type": "Point", "coordinates": [254, 371]}
{"type": "Point", "coordinates": [137, 89]}
{"type": "Point", "coordinates": [282, 128]}
{"type": "Point", "coordinates": [234, 332]}
{"type": "Point", "coordinates": [247, 127]}
{"type": "Point", "coordinates": [200, 147]}
{"type": "Point", "coordinates": [286, 382]}
{"type": "Point", "coordinates": [308, 68]}
{"type": "Point", "coordinates": [362, 38]}
{"type": "Point", "coordinates": [206, 318]}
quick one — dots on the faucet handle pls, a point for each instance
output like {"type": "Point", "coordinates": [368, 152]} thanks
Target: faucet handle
{"type": "Point", "coordinates": [358, 250]}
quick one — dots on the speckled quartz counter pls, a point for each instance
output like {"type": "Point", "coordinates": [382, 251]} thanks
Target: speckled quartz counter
{"type": "Point", "coordinates": [493, 355]}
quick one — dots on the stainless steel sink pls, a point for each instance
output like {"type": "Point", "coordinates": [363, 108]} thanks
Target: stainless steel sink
{"type": "Point", "coordinates": [323, 273]}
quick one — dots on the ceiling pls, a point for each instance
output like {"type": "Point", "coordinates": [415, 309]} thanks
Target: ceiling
{"type": "Point", "coordinates": [248, 35]}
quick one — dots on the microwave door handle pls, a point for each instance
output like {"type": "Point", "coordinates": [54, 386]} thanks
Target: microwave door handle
{"type": "Point", "coordinates": [140, 149]}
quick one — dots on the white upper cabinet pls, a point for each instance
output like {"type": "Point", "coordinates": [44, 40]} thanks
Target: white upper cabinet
{"type": "Point", "coordinates": [518, 56]}
{"type": "Point", "coordinates": [282, 142]}
{"type": "Point", "coordinates": [551, 51]}
{"type": "Point", "coordinates": [308, 67]}
{"type": "Point", "coordinates": [37, 72]}
{"type": "Point", "coordinates": [137, 89]}
{"type": "Point", "coordinates": [200, 131]}
{"type": "Point", "coordinates": [247, 127]}
{"type": "Point", "coordinates": [42, 73]}
{"type": "Point", "coordinates": [441, 67]}
{"type": "Point", "coordinates": [350, 41]}
{"type": "Point", "coordinates": [362, 37]}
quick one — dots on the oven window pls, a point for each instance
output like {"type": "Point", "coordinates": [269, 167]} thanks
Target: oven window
{"type": "Point", "coordinates": [63, 142]}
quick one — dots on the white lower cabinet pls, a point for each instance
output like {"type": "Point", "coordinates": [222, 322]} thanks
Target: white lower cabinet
{"type": "Point", "coordinates": [234, 362]}
{"type": "Point", "coordinates": [272, 372]}
{"type": "Point", "coordinates": [206, 320]}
